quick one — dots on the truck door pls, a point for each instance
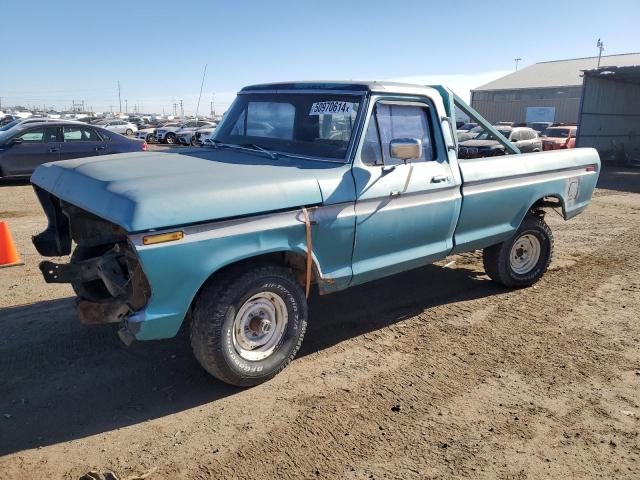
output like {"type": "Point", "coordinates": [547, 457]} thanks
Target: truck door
{"type": "Point", "coordinates": [406, 212]}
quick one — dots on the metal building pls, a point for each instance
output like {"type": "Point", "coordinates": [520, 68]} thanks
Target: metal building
{"type": "Point", "coordinates": [610, 113]}
{"type": "Point", "coordinates": [545, 91]}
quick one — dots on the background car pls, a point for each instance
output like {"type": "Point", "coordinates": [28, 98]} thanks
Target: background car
{"type": "Point", "coordinates": [539, 126]}
{"type": "Point", "coordinates": [169, 135]}
{"type": "Point", "coordinates": [556, 138]}
{"type": "Point", "coordinates": [187, 136]}
{"type": "Point", "coordinates": [469, 135]}
{"type": "Point", "coordinates": [484, 145]}
{"type": "Point", "coordinates": [26, 146]}
{"type": "Point", "coordinates": [120, 126]}
{"type": "Point", "coordinates": [467, 126]}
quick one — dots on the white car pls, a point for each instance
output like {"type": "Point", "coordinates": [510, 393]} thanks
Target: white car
{"type": "Point", "coordinates": [190, 136]}
{"type": "Point", "coordinates": [120, 126]}
{"type": "Point", "coordinates": [169, 135]}
{"type": "Point", "coordinates": [147, 134]}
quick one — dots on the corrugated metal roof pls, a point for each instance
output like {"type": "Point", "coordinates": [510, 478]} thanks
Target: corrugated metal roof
{"type": "Point", "coordinates": [557, 73]}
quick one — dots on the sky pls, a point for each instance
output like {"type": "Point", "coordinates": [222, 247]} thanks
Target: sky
{"type": "Point", "coordinates": [56, 52]}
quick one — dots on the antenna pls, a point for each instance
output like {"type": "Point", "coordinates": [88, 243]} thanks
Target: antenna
{"type": "Point", "coordinates": [600, 45]}
{"type": "Point", "coordinates": [517, 60]}
{"type": "Point", "coordinates": [201, 85]}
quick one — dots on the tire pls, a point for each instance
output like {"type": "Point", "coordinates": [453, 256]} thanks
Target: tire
{"type": "Point", "coordinates": [128, 132]}
{"type": "Point", "coordinates": [514, 262]}
{"type": "Point", "coordinates": [150, 138]}
{"type": "Point", "coordinates": [193, 142]}
{"type": "Point", "coordinates": [218, 316]}
{"type": "Point", "coordinates": [170, 138]}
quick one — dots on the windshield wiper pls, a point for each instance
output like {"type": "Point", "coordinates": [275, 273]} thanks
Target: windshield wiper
{"type": "Point", "coordinates": [253, 146]}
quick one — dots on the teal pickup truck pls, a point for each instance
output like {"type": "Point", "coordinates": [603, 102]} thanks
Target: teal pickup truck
{"type": "Point", "coordinates": [302, 186]}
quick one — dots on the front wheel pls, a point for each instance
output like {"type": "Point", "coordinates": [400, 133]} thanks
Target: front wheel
{"type": "Point", "coordinates": [248, 324]}
{"type": "Point", "coordinates": [170, 138]}
{"type": "Point", "coordinates": [523, 259]}
{"type": "Point", "coordinates": [129, 132]}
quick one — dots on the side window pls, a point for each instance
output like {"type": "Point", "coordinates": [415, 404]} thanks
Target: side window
{"type": "Point", "coordinates": [515, 136]}
{"type": "Point", "coordinates": [79, 134]}
{"type": "Point", "coordinates": [40, 135]}
{"type": "Point", "coordinates": [371, 150]}
{"type": "Point", "coordinates": [104, 135]}
{"type": "Point", "coordinates": [404, 121]}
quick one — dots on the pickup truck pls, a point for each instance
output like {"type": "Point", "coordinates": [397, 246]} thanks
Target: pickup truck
{"type": "Point", "coordinates": [302, 186]}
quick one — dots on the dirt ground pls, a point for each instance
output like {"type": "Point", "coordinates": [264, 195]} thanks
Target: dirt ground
{"type": "Point", "coordinates": [436, 373]}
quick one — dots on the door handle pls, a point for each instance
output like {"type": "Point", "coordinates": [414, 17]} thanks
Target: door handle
{"type": "Point", "coordinates": [439, 179]}
{"type": "Point", "coordinates": [97, 149]}
{"type": "Point", "coordinates": [54, 150]}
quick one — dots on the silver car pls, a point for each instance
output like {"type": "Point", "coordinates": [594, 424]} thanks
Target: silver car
{"type": "Point", "coordinates": [120, 126]}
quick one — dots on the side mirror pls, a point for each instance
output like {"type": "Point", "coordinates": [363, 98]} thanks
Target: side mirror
{"type": "Point", "coordinates": [405, 148]}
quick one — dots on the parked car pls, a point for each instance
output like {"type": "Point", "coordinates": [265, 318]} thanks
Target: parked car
{"type": "Point", "coordinates": [203, 134]}
{"type": "Point", "coordinates": [147, 134]}
{"type": "Point", "coordinates": [471, 134]}
{"type": "Point", "coordinates": [120, 126]}
{"type": "Point", "coordinates": [234, 235]}
{"type": "Point", "coordinates": [539, 126]}
{"type": "Point", "coordinates": [26, 146]}
{"type": "Point", "coordinates": [485, 145]}
{"type": "Point", "coordinates": [26, 121]}
{"type": "Point", "coordinates": [187, 136]}
{"type": "Point", "coordinates": [556, 138]}
{"type": "Point", "coordinates": [169, 135]}
{"type": "Point", "coordinates": [466, 127]}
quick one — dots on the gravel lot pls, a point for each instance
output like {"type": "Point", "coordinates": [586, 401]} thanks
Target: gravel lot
{"type": "Point", "coordinates": [436, 373]}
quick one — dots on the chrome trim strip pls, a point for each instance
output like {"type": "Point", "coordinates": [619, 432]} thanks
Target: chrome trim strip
{"type": "Point", "coordinates": [482, 186]}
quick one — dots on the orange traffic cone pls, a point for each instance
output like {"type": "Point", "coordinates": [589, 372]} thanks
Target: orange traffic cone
{"type": "Point", "coordinates": [8, 253]}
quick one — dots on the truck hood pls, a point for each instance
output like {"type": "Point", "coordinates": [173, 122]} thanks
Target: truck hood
{"type": "Point", "coordinates": [141, 191]}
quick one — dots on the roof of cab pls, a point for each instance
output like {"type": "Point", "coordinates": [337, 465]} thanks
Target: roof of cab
{"type": "Point", "coordinates": [348, 86]}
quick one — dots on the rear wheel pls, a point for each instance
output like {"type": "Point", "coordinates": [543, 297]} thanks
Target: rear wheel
{"type": "Point", "coordinates": [129, 132]}
{"type": "Point", "coordinates": [151, 138]}
{"type": "Point", "coordinates": [170, 138]}
{"type": "Point", "coordinates": [248, 324]}
{"type": "Point", "coordinates": [523, 259]}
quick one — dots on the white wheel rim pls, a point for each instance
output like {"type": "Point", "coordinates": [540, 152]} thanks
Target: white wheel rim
{"type": "Point", "coordinates": [259, 326]}
{"type": "Point", "coordinates": [525, 254]}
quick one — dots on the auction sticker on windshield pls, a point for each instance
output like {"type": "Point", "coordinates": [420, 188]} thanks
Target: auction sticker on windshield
{"type": "Point", "coordinates": [331, 108]}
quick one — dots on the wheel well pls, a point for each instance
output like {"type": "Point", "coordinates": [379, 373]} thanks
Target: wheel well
{"type": "Point", "coordinates": [293, 260]}
{"type": "Point", "coordinates": [552, 202]}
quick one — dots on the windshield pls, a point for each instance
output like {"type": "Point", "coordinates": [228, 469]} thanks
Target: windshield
{"type": "Point", "coordinates": [10, 125]}
{"type": "Point", "coordinates": [488, 136]}
{"type": "Point", "coordinates": [309, 124]}
{"type": "Point", "coordinates": [557, 132]}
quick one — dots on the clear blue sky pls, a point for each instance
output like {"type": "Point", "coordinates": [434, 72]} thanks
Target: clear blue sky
{"type": "Point", "coordinates": [56, 51]}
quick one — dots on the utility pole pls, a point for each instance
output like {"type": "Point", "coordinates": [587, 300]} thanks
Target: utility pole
{"type": "Point", "coordinates": [126, 106]}
{"type": "Point", "coordinates": [119, 99]}
{"type": "Point", "coordinates": [181, 109]}
{"type": "Point", "coordinates": [213, 103]}
{"type": "Point", "coordinates": [517, 60]}
{"type": "Point", "coordinates": [600, 45]}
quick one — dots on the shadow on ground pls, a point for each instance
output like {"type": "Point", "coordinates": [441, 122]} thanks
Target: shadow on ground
{"type": "Point", "coordinates": [620, 179]}
{"type": "Point", "coordinates": [62, 381]}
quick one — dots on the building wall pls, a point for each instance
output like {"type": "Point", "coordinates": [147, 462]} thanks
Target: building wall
{"type": "Point", "coordinates": [511, 105]}
{"type": "Point", "coordinates": [610, 113]}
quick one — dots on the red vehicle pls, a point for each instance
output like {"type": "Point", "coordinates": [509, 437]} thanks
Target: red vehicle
{"type": "Point", "coordinates": [556, 138]}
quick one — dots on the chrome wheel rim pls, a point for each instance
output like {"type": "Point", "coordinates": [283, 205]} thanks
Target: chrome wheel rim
{"type": "Point", "coordinates": [259, 326]}
{"type": "Point", "coordinates": [525, 254]}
